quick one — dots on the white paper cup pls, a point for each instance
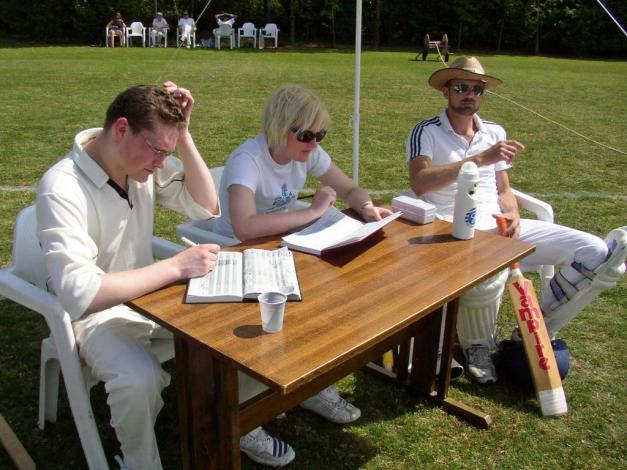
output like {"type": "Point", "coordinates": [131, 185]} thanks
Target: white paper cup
{"type": "Point", "coordinates": [272, 306]}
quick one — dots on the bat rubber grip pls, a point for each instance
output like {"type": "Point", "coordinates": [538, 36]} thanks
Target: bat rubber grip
{"type": "Point", "coordinates": [501, 223]}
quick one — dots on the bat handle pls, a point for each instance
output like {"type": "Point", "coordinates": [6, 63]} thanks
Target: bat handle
{"type": "Point", "coordinates": [501, 223]}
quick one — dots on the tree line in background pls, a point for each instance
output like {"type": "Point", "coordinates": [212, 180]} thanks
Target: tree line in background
{"type": "Point", "coordinates": [562, 27]}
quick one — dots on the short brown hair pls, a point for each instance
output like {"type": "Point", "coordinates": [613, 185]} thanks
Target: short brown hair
{"type": "Point", "coordinates": [143, 106]}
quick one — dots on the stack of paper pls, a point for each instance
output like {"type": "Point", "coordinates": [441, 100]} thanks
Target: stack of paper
{"type": "Point", "coordinates": [333, 230]}
{"type": "Point", "coordinates": [414, 209]}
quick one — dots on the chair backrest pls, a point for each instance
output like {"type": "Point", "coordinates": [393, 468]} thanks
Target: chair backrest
{"type": "Point", "coordinates": [225, 29]}
{"type": "Point", "coordinates": [28, 261]}
{"type": "Point", "coordinates": [270, 30]}
{"type": "Point", "coordinates": [248, 29]}
{"type": "Point", "coordinates": [137, 29]}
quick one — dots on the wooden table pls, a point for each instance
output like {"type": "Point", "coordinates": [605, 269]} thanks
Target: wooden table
{"type": "Point", "coordinates": [357, 304]}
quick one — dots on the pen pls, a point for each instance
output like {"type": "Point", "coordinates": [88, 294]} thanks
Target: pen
{"type": "Point", "coordinates": [188, 242]}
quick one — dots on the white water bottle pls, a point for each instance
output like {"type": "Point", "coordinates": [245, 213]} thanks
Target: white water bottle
{"type": "Point", "coordinates": [465, 212]}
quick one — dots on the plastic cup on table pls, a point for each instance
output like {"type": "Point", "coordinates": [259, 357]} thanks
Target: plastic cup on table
{"type": "Point", "coordinates": [272, 307]}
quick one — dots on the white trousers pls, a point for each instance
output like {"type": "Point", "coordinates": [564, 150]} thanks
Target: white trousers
{"type": "Point", "coordinates": [186, 34]}
{"type": "Point", "coordinates": [116, 344]}
{"type": "Point", "coordinates": [555, 245]}
{"type": "Point", "coordinates": [157, 36]}
{"type": "Point", "coordinates": [560, 246]}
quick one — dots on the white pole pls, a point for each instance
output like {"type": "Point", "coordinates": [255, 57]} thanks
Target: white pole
{"type": "Point", "coordinates": [612, 16]}
{"type": "Point", "coordinates": [357, 86]}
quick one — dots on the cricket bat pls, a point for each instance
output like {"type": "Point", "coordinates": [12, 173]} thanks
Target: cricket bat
{"type": "Point", "coordinates": [544, 372]}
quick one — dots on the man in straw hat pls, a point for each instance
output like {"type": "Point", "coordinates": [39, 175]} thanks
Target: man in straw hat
{"type": "Point", "coordinates": [436, 149]}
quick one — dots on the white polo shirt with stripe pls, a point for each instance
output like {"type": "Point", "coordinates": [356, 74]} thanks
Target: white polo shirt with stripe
{"type": "Point", "coordinates": [435, 139]}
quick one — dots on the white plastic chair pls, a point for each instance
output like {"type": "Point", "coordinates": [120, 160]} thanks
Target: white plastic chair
{"type": "Point", "coordinates": [249, 31]}
{"type": "Point", "coordinates": [200, 231]}
{"type": "Point", "coordinates": [224, 31]}
{"type": "Point", "coordinates": [121, 38]}
{"type": "Point", "coordinates": [543, 211]}
{"type": "Point", "coordinates": [136, 29]}
{"type": "Point", "coordinates": [270, 31]}
{"type": "Point", "coordinates": [152, 37]}
{"type": "Point", "coordinates": [24, 282]}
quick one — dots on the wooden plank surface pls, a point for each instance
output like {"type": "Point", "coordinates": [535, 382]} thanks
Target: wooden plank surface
{"type": "Point", "coordinates": [352, 300]}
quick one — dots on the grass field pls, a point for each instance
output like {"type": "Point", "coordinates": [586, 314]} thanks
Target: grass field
{"type": "Point", "coordinates": [51, 93]}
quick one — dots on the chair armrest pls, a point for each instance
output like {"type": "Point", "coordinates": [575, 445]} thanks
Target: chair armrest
{"type": "Point", "coordinates": [191, 230]}
{"type": "Point", "coordinates": [32, 297]}
{"type": "Point", "coordinates": [541, 209]}
{"type": "Point", "coordinates": [162, 248]}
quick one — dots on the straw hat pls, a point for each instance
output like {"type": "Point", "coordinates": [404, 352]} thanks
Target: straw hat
{"type": "Point", "coordinates": [468, 68]}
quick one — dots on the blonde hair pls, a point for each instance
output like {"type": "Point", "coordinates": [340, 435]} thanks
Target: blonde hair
{"type": "Point", "coordinates": [292, 107]}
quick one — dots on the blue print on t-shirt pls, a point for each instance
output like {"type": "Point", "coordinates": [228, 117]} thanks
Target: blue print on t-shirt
{"type": "Point", "coordinates": [284, 199]}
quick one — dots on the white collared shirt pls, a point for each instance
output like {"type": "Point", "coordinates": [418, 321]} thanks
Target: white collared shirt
{"type": "Point", "coordinates": [435, 139]}
{"type": "Point", "coordinates": [86, 228]}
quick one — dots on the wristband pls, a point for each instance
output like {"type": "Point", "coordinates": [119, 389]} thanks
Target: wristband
{"type": "Point", "coordinates": [364, 205]}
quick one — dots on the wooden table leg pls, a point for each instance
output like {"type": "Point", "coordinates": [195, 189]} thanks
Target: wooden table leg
{"type": "Point", "coordinates": [424, 358]}
{"type": "Point", "coordinates": [208, 408]}
{"type": "Point", "coordinates": [423, 377]}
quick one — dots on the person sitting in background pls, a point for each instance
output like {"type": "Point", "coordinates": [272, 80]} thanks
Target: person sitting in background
{"type": "Point", "coordinates": [158, 30]}
{"type": "Point", "coordinates": [187, 26]}
{"type": "Point", "coordinates": [116, 28]}
{"type": "Point", "coordinates": [223, 18]}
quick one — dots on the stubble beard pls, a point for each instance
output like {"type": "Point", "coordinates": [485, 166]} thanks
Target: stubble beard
{"type": "Point", "coordinates": [467, 108]}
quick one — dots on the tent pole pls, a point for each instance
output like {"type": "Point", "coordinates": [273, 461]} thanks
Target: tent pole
{"type": "Point", "coordinates": [355, 117]}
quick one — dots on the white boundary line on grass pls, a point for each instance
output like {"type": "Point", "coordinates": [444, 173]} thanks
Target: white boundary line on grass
{"type": "Point", "coordinates": [385, 192]}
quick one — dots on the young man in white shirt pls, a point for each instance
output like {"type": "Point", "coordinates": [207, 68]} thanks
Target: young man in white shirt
{"type": "Point", "coordinates": [95, 216]}
{"type": "Point", "coordinates": [437, 148]}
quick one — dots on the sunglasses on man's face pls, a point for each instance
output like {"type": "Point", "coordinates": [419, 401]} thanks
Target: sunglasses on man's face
{"type": "Point", "coordinates": [308, 136]}
{"type": "Point", "coordinates": [463, 88]}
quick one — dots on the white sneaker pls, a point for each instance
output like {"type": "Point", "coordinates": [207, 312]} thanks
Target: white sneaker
{"type": "Point", "coordinates": [331, 406]}
{"type": "Point", "coordinates": [479, 365]}
{"type": "Point", "coordinates": [265, 449]}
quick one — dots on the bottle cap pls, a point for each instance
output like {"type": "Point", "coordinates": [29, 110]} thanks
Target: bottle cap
{"type": "Point", "coordinates": [469, 169]}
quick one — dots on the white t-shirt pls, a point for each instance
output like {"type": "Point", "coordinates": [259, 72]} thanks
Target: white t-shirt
{"type": "Point", "coordinates": [186, 24]}
{"type": "Point", "coordinates": [275, 186]}
{"type": "Point", "coordinates": [86, 228]}
{"type": "Point", "coordinates": [159, 23]}
{"type": "Point", "coordinates": [435, 138]}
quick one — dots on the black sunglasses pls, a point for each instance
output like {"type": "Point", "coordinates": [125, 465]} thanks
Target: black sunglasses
{"type": "Point", "coordinates": [308, 136]}
{"type": "Point", "coordinates": [462, 89]}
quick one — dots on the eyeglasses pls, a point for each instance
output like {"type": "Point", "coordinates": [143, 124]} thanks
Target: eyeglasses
{"type": "Point", "coordinates": [157, 152]}
{"type": "Point", "coordinates": [308, 136]}
{"type": "Point", "coordinates": [463, 88]}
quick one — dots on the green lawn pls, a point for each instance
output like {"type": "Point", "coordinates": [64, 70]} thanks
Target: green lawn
{"type": "Point", "coordinates": [50, 93]}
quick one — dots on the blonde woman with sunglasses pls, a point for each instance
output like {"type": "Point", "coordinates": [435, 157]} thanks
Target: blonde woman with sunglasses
{"type": "Point", "coordinates": [261, 181]}
{"type": "Point", "coordinates": [263, 176]}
